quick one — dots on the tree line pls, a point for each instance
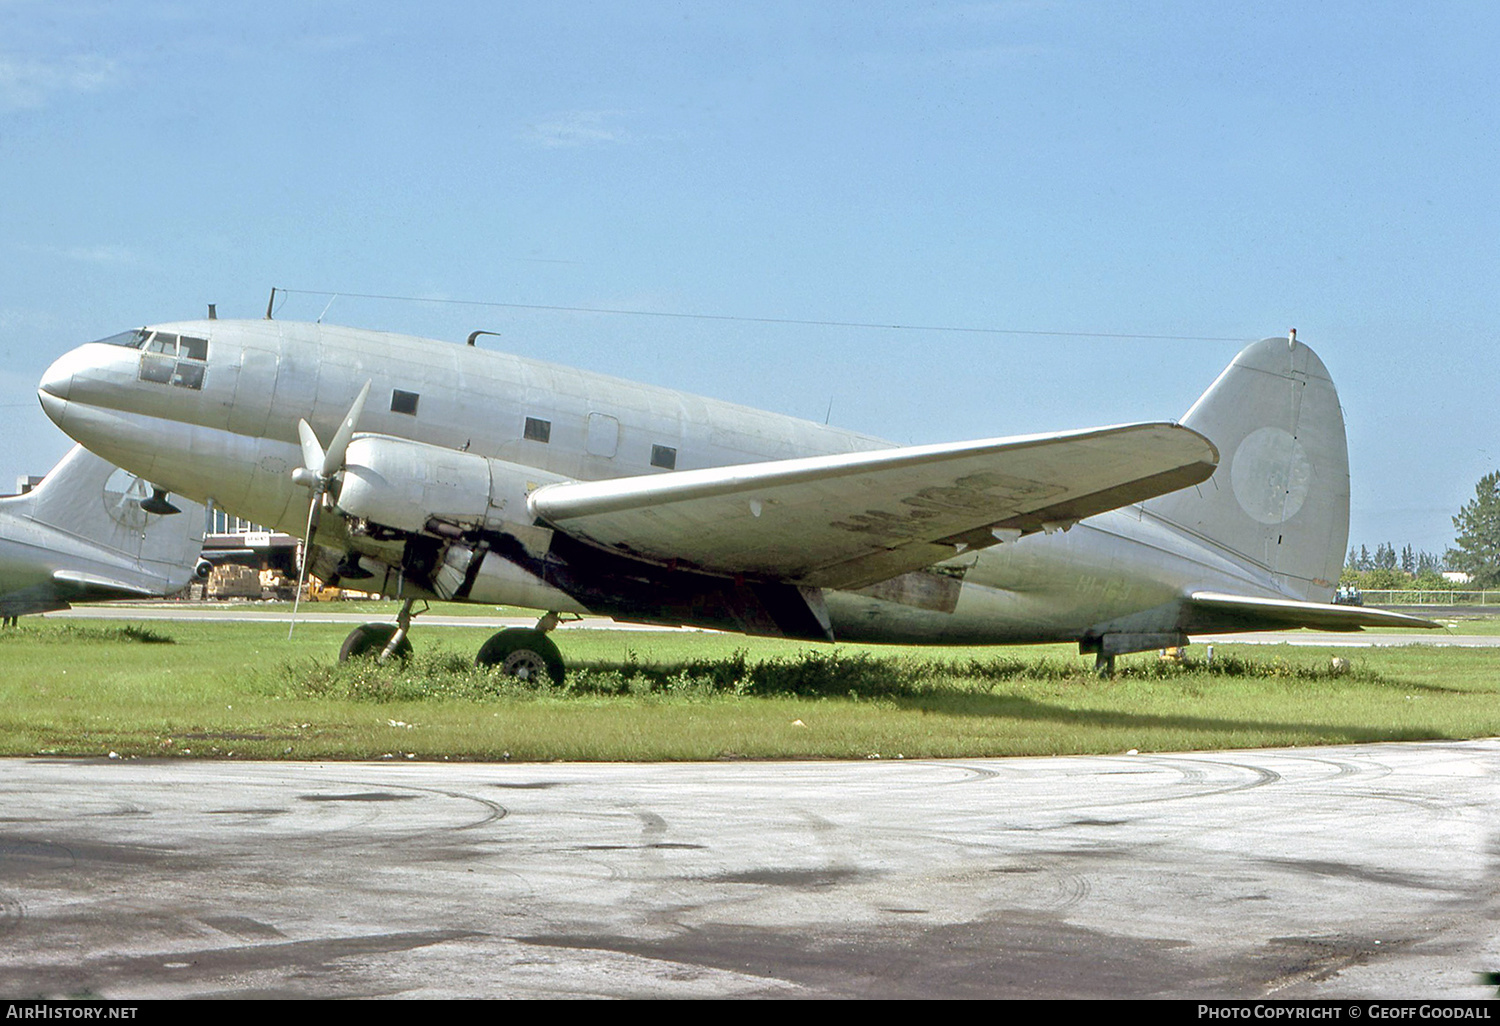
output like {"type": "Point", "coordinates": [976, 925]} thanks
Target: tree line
{"type": "Point", "coordinates": [1386, 568]}
{"type": "Point", "coordinates": [1475, 551]}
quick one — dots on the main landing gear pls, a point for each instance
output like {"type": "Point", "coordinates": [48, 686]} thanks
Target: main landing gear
{"type": "Point", "coordinates": [380, 640]}
{"type": "Point", "coordinates": [523, 652]}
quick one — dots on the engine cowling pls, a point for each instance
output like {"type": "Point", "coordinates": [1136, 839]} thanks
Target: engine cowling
{"type": "Point", "coordinates": [464, 504]}
{"type": "Point", "coordinates": [402, 484]}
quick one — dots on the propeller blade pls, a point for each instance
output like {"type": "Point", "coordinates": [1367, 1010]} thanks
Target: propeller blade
{"type": "Point", "coordinates": [324, 465]}
{"type": "Point", "coordinates": [312, 449]}
{"type": "Point", "coordinates": [312, 525]}
{"type": "Point", "coordinates": [334, 458]}
{"type": "Point", "coordinates": [313, 515]}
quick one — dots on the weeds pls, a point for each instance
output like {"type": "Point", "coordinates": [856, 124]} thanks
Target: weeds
{"type": "Point", "coordinates": [811, 674]}
{"type": "Point", "coordinates": [648, 696]}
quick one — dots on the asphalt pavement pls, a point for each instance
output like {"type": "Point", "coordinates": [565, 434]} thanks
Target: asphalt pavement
{"type": "Point", "coordinates": [1361, 871]}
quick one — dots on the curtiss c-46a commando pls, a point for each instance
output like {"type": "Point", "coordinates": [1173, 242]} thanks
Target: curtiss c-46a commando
{"type": "Point", "coordinates": [428, 470]}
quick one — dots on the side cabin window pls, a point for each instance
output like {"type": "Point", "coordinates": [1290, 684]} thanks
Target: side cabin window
{"type": "Point", "coordinates": [404, 402]}
{"type": "Point", "coordinates": [178, 360]}
{"type": "Point", "coordinates": [537, 430]}
{"type": "Point", "coordinates": [664, 456]}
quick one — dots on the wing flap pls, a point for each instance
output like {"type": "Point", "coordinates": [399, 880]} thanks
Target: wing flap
{"type": "Point", "coordinates": [1251, 613]}
{"type": "Point", "coordinates": [852, 519]}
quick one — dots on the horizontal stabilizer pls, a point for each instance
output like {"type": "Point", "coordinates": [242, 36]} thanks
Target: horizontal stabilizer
{"type": "Point", "coordinates": [94, 584]}
{"type": "Point", "coordinates": [1242, 612]}
{"type": "Point", "coordinates": [851, 519]}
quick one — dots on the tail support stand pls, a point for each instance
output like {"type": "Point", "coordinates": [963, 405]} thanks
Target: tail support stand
{"type": "Point", "coordinates": [403, 624]}
{"type": "Point", "coordinates": [1104, 664]}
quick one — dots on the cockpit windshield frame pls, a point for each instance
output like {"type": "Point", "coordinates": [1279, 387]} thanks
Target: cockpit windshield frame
{"type": "Point", "coordinates": [133, 339]}
{"type": "Point", "coordinates": [169, 358]}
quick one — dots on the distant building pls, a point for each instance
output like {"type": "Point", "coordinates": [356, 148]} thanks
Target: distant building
{"type": "Point", "coordinates": [1457, 576]}
{"type": "Point", "coordinates": [230, 539]}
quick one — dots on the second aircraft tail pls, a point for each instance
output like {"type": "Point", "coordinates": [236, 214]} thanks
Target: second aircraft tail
{"type": "Point", "coordinates": [98, 504]}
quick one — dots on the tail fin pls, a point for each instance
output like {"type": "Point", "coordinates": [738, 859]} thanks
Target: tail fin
{"type": "Point", "coordinates": [1280, 498]}
{"type": "Point", "coordinates": [99, 504]}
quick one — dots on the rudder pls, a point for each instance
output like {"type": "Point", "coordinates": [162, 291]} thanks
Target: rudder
{"type": "Point", "coordinates": [1280, 498]}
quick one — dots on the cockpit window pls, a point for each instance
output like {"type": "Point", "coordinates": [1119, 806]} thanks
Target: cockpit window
{"type": "Point", "coordinates": [172, 359]}
{"type": "Point", "coordinates": [188, 375]}
{"type": "Point", "coordinates": [128, 339]}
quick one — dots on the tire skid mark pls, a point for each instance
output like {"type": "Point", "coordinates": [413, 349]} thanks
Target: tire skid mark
{"type": "Point", "coordinates": [657, 912]}
{"type": "Point", "coordinates": [1343, 768]}
{"type": "Point", "coordinates": [1073, 890]}
{"type": "Point", "coordinates": [970, 774]}
{"type": "Point", "coordinates": [1446, 810]}
{"type": "Point", "coordinates": [493, 810]}
{"type": "Point", "coordinates": [1351, 769]}
{"type": "Point", "coordinates": [1260, 777]}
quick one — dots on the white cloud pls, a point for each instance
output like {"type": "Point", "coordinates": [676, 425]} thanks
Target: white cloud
{"type": "Point", "coordinates": [581, 128]}
{"type": "Point", "coordinates": [26, 84]}
{"type": "Point", "coordinates": [101, 253]}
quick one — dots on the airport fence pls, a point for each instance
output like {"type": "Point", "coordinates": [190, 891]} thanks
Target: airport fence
{"type": "Point", "coordinates": [1438, 597]}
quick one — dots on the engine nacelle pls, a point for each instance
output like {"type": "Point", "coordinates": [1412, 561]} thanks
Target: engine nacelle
{"type": "Point", "coordinates": [486, 577]}
{"type": "Point", "coordinates": [402, 484]}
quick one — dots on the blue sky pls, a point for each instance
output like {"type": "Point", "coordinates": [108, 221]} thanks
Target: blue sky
{"type": "Point", "coordinates": [1213, 171]}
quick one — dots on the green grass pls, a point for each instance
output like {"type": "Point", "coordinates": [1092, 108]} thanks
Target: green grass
{"type": "Point", "coordinates": [244, 690]}
{"type": "Point", "coordinates": [1459, 622]}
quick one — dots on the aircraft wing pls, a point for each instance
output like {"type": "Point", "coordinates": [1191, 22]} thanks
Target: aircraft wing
{"type": "Point", "coordinates": [1249, 613]}
{"type": "Point", "coordinates": [852, 519]}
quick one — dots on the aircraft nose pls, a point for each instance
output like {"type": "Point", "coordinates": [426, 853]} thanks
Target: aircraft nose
{"type": "Point", "coordinates": [57, 382]}
{"type": "Point", "coordinates": [56, 387]}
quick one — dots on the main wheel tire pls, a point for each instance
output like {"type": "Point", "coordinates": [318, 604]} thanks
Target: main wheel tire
{"type": "Point", "coordinates": [523, 653]}
{"type": "Point", "coordinates": [368, 640]}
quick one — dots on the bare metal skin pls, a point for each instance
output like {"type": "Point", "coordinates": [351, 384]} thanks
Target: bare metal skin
{"type": "Point", "coordinates": [81, 535]}
{"type": "Point", "coordinates": [449, 471]}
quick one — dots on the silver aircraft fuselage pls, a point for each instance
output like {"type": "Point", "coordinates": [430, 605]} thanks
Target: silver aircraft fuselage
{"type": "Point", "coordinates": [226, 433]}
